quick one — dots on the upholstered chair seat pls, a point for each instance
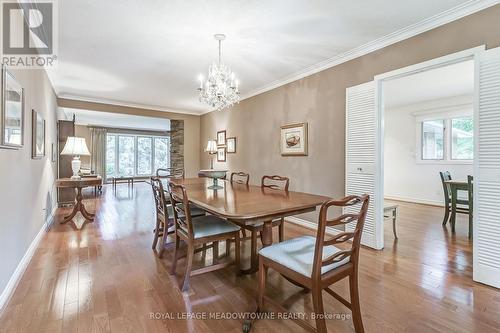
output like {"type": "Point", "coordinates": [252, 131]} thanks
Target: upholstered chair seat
{"type": "Point", "coordinates": [297, 254]}
{"type": "Point", "coordinates": [209, 225]}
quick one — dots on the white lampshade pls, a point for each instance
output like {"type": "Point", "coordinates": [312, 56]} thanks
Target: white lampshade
{"type": "Point", "coordinates": [75, 146]}
{"type": "Point", "coordinates": [211, 147]}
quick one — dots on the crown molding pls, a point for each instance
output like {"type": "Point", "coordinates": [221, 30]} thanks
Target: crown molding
{"type": "Point", "coordinates": [453, 14]}
{"type": "Point", "coordinates": [126, 104]}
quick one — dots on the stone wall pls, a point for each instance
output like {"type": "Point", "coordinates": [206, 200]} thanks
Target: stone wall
{"type": "Point", "coordinates": [177, 144]}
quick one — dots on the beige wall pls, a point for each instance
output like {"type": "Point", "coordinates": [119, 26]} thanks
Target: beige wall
{"type": "Point", "coordinates": [320, 100]}
{"type": "Point", "coordinates": [191, 127]}
{"type": "Point", "coordinates": [27, 193]}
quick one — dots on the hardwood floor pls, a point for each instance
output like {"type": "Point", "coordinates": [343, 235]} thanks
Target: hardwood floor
{"type": "Point", "coordinates": [105, 278]}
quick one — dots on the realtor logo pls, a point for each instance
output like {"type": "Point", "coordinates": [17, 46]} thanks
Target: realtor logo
{"type": "Point", "coordinates": [28, 33]}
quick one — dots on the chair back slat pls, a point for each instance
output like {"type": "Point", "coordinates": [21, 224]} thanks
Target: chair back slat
{"type": "Point", "coordinates": [275, 182]}
{"type": "Point", "coordinates": [180, 204]}
{"type": "Point", "coordinates": [240, 178]}
{"type": "Point", "coordinates": [337, 257]}
{"type": "Point", "coordinates": [340, 238]}
{"type": "Point", "coordinates": [352, 252]}
{"type": "Point", "coordinates": [159, 197]}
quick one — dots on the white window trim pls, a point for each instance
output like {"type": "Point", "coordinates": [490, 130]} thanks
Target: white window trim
{"type": "Point", "coordinates": [447, 115]}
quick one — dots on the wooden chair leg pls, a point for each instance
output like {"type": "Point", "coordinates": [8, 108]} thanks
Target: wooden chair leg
{"type": "Point", "coordinates": [446, 214]}
{"type": "Point", "coordinates": [189, 266]}
{"type": "Point", "coordinates": [228, 247]}
{"type": "Point", "coordinates": [176, 253]}
{"type": "Point", "coordinates": [356, 310]}
{"type": "Point", "coordinates": [281, 229]}
{"type": "Point", "coordinates": [215, 251]}
{"type": "Point", "coordinates": [470, 225]}
{"type": "Point", "coordinates": [163, 240]}
{"type": "Point", "coordinates": [204, 254]}
{"type": "Point", "coordinates": [157, 234]}
{"type": "Point", "coordinates": [253, 250]}
{"type": "Point", "coordinates": [237, 250]}
{"type": "Point", "coordinates": [262, 284]}
{"type": "Point", "coordinates": [317, 296]}
{"type": "Point", "coordinates": [243, 231]}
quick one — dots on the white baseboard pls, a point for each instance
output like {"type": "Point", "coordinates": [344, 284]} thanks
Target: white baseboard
{"type": "Point", "coordinates": [23, 264]}
{"type": "Point", "coordinates": [415, 200]}
{"type": "Point", "coordinates": [311, 225]}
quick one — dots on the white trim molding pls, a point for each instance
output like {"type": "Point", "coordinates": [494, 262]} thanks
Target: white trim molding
{"type": "Point", "coordinates": [453, 14]}
{"type": "Point", "coordinates": [23, 264]}
{"type": "Point", "coordinates": [127, 104]}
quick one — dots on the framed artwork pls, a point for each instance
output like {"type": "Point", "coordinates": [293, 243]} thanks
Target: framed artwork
{"type": "Point", "coordinates": [294, 140]}
{"type": "Point", "coordinates": [11, 112]}
{"type": "Point", "coordinates": [221, 138]}
{"type": "Point", "coordinates": [38, 128]}
{"type": "Point", "coordinates": [221, 154]}
{"type": "Point", "coordinates": [231, 145]}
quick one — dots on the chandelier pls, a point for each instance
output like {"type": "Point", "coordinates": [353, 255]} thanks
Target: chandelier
{"type": "Point", "coordinates": [220, 89]}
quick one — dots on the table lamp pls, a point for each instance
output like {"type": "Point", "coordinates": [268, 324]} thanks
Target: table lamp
{"type": "Point", "coordinates": [77, 147]}
{"type": "Point", "coordinates": [211, 150]}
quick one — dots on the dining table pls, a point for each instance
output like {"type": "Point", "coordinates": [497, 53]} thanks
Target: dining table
{"type": "Point", "coordinates": [455, 187]}
{"type": "Point", "coordinates": [248, 204]}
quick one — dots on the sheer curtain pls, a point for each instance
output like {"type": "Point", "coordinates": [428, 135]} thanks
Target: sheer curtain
{"type": "Point", "coordinates": [98, 151]}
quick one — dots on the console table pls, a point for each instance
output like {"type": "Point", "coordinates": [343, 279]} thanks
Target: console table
{"type": "Point", "coordinates": [78, 184]}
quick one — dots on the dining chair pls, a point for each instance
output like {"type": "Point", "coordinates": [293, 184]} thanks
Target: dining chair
{"type": "Point", "coordinates": [316, 263]}
{"type": "Point", "coordinates": [470, 187]}
{"type": "Point", "coordinates": [164, 215]}
{"type": "Point", "coordinates": [267, 182]}
{"type": "Point", "coordinates": [199, 231]}
{"type": "Point", "coordinates": [240, 178]}
{"type": "Point", "coordinates": [446, 176]}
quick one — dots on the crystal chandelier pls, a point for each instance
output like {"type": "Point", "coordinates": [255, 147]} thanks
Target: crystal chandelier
{"type": "Point", "coordinates": [220, 89]}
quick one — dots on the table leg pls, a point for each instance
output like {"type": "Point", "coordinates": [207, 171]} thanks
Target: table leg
{"type": "Point", "coordinates": [267, 233]}
{"type": "Point", "coordinates": [454, 193]}
{"type": "Point", "coordinates": [79, 207]}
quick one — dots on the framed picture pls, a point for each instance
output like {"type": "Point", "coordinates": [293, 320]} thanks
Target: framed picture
{"type": "Point", "coordinates": [11, 112]}
{"type": "Point", "coordinates": [294, 140]}
{"type": "Point", "coordinates": [38, 127]}
{"type": "Point", "coordinates": [221, 154]}
{"type": "Point", "coordinates": [221, 138]}
{"type": "Point", "coordinates": [231, 145]}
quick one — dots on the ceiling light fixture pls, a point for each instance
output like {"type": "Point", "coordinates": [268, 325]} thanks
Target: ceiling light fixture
{"type": "Point", "coordinates": [220, 89]}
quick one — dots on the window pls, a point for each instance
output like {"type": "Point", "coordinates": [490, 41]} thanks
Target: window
{"type": "Point", "coordinates": [162, 158]}
{"type": "Point", "coordinates": [110, 154]}
{"type": "Point", "coordinates": [433, 140]}
{"type": "Point", "coordinates": [446, 139]}
{"type": "Point", "coordinates": [144, 155]}
{"type": "Point", "coordinates": [462, 138]}
{"type": "Point", "coordinates": [136, 155]}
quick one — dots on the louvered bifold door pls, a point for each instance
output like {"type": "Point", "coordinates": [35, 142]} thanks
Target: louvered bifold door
{"type": "Point", "coordinates": [361, 155]}
{"type": "Point", "coordinates": [487, 170]}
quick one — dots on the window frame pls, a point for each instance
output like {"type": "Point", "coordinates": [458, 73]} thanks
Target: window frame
{"type": "Point", "coordinates": [447, 117]}
{"type": "Point", "coordinates": [136, 152]}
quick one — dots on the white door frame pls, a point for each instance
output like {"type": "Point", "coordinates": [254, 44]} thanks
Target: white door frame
{"type": "Point", "coordinates": [469, 54]}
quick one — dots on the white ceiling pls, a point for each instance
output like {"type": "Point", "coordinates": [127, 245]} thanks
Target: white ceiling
{"type": "Point", "coordinates": [150, 52]}
{"type": "Point", "coordinates": [114, 120]}
{"type": "Point", "coordinates": [440, 83]}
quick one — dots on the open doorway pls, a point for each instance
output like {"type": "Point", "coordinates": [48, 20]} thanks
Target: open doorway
{"type": "Point", "coordinates": [428, 136]}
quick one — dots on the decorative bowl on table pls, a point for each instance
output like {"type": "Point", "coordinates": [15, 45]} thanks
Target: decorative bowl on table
{"type": "Point", "coordinates": [215, 175]}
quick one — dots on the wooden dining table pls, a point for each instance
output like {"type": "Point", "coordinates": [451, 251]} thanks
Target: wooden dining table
{"type": "Point", "coordinates": [248, 204]}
